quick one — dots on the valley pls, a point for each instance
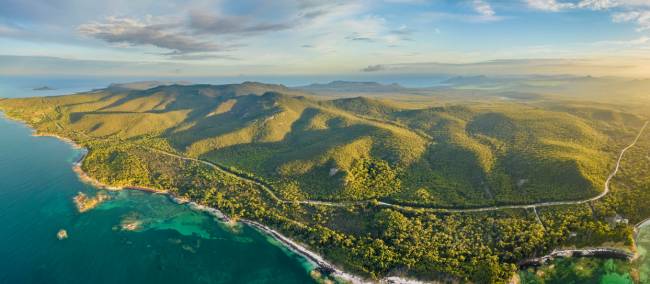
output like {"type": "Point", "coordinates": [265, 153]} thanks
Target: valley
{"type": "Point", "coordinates": [458, 189]}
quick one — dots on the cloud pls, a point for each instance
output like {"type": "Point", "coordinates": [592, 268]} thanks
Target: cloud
{"type": "Point", "coordinates": [554, 5]}
{"type": "Point", "coordinates": [641, 18]}
{"type": "Point", "coordinates": [352, 20]}
{"type": "Point", "coordinates": [549, 5]}
{"type": "Point", "coordinates": [599, 4]}
{"type": "Point", "coordinates": [374, 68]}
{"type": "Point", "coordinates": [204, 28]}
{"type": "Point", "coordinates": [624, 10]}
{"type": "Point", "coordinates": [371, 28]}
{"type": "Point", "coordinates": [517, 67]}
{"type": "Point", "coordinates": [406, 1]}
{"type": "Point", "coordinates": [211, 23]}
{"type": "Point", "coordinates": [358, 37]}
{"type": "Point", "coordinates": [8, 31]}
{"type": "Point", "coordinates": [202, 56]}
{"type": "Point", "coordinates": [402, 31]}
{"type": "Point", "coordinates": [468, 18]}
{"type": "Point", "coordinates": [633, 42]}
{"type": "Point", "coordinates": [133, 32]}
{"type": "Point", "coordinates": [483, 8]}
{"type": "Point", "coordinates": [46, 65]}
{"type": "Point", "coordinates": [482, 12]}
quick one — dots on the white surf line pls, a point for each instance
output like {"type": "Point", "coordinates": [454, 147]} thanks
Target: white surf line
{"type": "Point", "coordinates": [637, 227]}
{"type": "Point", "coordinates": [312, 257]}
{"type": "Point", "coordinates": [315, 258]}
{"type": "Point", "coordinates": [642, 223]}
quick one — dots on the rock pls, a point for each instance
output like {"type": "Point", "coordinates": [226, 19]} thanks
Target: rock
{"type": "Point", "coordinates": [85, 203]}
{"type": "Point", "coordinates": [131, 225]}
{"type": "Point", "coordinates": [62, 234]}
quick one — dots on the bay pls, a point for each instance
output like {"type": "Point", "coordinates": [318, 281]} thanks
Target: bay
{"type": "Point", "coordinates": [172, 244]}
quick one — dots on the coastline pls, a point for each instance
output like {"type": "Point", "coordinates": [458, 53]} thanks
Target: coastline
{"type": "Point", "coordinates": [321, 264]}
{"type": "Point", "coordinates": [318, 261]}
{"type": "Point", "coordinates": [84, 177]}
{"type": "Point", "coordinates": [294, 247]}
{"type": "Point", "coordinates": [291, 245]}
{"type": "Point", "coordinates": [598, 252]}
{"type": "Point", "coordinates": [638, 226]}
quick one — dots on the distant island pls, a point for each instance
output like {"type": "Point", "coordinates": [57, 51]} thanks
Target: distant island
{"type": "Point", "coordinates": [144, 85]}
{"type": "Point", "coordinates": [44, 88]}
{"type": "Point", "coordinates": [351, 86]}
{"type": "Point", "coordinates": [439, 185]}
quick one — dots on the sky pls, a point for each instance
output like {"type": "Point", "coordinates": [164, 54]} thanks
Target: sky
{"type": "Point", "coordinates": [324, 37]}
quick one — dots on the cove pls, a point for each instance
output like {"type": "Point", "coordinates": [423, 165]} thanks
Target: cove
{"type": "Point", "coordinates": [172, 243]}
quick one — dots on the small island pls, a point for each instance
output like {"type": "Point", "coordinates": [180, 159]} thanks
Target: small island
{"type": "Point", "coordinates": [367, 188]}
{"type": "Point", "coordinates": [85, 203]}
{"type": "Point", "coordinates": [44, 88]}
{"type": "Point", "coordinates": [131, 223]}
{"type": "Point", "coordinates": [62, 234]}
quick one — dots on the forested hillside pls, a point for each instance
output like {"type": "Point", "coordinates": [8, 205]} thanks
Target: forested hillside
{"type": "Point", "coordinates": [273, 150]}
{"type": "Point", "coordinates": [450, 156]}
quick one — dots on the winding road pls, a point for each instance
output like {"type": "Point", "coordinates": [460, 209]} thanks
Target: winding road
{"type": "Point", "coordinates": [533, 206]}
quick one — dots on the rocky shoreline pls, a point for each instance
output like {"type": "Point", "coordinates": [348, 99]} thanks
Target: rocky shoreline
{"type": "Point", "coordinates": [638, 226]}
{"type": "Point", "coordinates": [314, 258]}
{"type": "Point", "coordinates": [94, 182]}
{"type": "Point", "coordinates": [601, 252]}
{"type": "Point", "coordinates": [321, 264]}
{"type": "Point", "coordinates": [591, 252]}
{"type": "Point", "coordinates": [317, 260]}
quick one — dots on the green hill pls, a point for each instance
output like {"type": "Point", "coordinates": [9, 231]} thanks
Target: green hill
{"type": "Point", "coordinates": [454, 156]}
{"type": "Point", "coordinates": [271, 146]}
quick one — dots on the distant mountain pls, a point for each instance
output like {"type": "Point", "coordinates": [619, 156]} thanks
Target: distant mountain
{"type": "Point", "coordinates": [143, 85]}
{"type": "Point", "coordinates": [43, 88]}
{"type": "Point", "coordinates": [350, 87]}
{"type": "Point", "coordinates": [468, 80]}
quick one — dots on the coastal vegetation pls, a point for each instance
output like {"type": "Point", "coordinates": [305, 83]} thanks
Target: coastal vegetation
{"type": "Point", "coordinates": [583, 270]}
{"type": "Point", "coordinates": [264, 152]}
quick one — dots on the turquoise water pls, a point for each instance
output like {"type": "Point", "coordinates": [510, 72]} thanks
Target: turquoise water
{"type": "Point", "coordinates": [643, 245]}
{"type": "Point", "coordinates": [593, 270]}
{"type": "Point", "coordinates": [173, 244]}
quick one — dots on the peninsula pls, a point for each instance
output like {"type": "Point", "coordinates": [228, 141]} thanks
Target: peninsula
{"type": "Point", "coordinates": [382, 189]}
